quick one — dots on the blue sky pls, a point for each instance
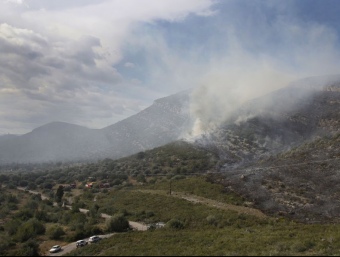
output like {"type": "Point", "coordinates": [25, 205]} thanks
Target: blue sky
{"type": "Point", "coordinates": [93, 63]}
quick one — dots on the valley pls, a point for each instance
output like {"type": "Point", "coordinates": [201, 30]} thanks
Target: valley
{"type": "Point", "coordinates": [263, 182]}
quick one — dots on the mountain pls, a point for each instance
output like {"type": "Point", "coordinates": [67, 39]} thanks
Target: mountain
{"type": "Point", "coordinates": [280, 151]}
{"type": "Point", "coordinates": [57, 141]}
{"type": "Point", "coordinates": [6, 137]}
{"type": "Point", "coordinates": [264, 126]}
{"type": "Point", "coordinates": [161, 123]}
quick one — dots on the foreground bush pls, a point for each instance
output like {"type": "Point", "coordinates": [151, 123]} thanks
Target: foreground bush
{"type": "Point", "coordinates": [118, 223]}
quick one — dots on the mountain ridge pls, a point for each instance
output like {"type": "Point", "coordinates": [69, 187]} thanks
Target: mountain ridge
{"type": "Point", "coordinates": [156, 125]}
{"type": "Point", "coordinates": [262, 126]}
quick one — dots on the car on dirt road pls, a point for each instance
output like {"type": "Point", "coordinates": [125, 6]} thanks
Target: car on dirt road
{"type": "Point", "coordinates": [81, 243]}
{"type": "Point", "coordinates": [94, 239]}
{"type": "Point", "coordinates": [55, 249]}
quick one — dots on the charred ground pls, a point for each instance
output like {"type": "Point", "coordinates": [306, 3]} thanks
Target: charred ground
{"type": "Point", "coordinates": [285, 158]}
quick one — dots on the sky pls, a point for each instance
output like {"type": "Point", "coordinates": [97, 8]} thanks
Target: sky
{"type": "Point", "coordinates": [96, 62]}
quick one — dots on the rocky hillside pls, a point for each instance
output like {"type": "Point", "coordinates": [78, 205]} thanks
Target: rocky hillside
{"type": "Point", "coordinates": [161, 123]}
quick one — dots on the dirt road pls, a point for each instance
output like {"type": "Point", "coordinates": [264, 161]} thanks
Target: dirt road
{"type": "Point", "coordinates": [210, 202]}
{"type": "Point", "coordinates": [72, 246]}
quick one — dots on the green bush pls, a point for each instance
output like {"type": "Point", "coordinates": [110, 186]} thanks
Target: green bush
{"type": "Point", "coordinates": [211, 219]}
{"type": "Point", "coordinates": [118, 223]}
{"type": "Point", "coordinates": [30, 248]}
{"type": "Point", "coordinates": [12, 226]}
{"type": "Point", "coordinates": [30, 229]}
{"type": "Point", "coordinates": [55, 232]}
{"type": "Point", "coordinates": [175, 224]}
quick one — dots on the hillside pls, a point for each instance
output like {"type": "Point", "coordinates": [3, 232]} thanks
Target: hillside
{"type": "Point", "coordinates": [300, 183]}
{"type": "Point", "coordinates": [161, 123]}
{"type": "Point", "coordinates": [276, 122]}
{"type": "Point", "coordinates": [284, 156]}
{"type": "Point", "coordinates": [262, 185]}
{"type": "Point", "coordinates": [261, 127]}
{"type": "Point", "coordinates": [6, 137]}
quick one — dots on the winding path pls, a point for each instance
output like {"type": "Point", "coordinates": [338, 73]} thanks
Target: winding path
{"type": "Point", "coordinates": [210, 202]}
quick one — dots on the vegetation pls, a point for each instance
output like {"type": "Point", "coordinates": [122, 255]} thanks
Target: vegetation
{"type": "Point", "coordinates": [204, 213]}
{"type": "Point", "coordinates": [26, 221]}
{"type": "Point", "coordinates": [280, 238]}
{"type": "Point", "coordinates": [118, 223]}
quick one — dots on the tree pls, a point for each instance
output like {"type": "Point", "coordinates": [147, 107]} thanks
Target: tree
{"type": "Point", "coordinates": [59, 194]}
{"type": "Point", "coordinates": [41, 215]}
{"type": "Point", "coordinates": [140, 155]}
{"type": "Point", "coordinates": [23, 183]}
{"type": "Point", "coordinates": [25, 232]}
{"type": "Point", "coordinates": [3, 178]}
{"type": "Point", "coordinates": [117, 223]}
{"type": "Point", "coordinates": [55, 232]}
{"type": "Point", "coordinates": [30, 229]}
{"type": "Point", "coordinates": [30, 248]}
{"type": "Point", "coordinates": [11, 227]}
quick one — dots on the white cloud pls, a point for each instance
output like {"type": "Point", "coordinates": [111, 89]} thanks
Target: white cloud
{"type": "Point", "coordinates": [57, 58]}
{"type": "Point", "coordinates": [61, 60]}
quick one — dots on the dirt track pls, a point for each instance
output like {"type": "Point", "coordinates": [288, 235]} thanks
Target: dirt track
{"type": "Point", "coordinates": [211, 203]}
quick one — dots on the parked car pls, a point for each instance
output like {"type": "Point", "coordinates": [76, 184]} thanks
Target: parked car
{"type": "Point", "coordinates": [81, 243]}
{"type": "Point", "coordinates": [94, 239]}
{"type": "Point", "coordinates": [55, 249]}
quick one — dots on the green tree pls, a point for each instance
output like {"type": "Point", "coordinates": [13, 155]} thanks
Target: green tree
{"type": "Point", "coordinates": [117, 223]}
{"type": "Point", "coordinates": [11, 227]}
{"type": "Point", "coordinates": [24, 214]}
{"type": "Point", "coordinates": [59, 194]}
{"type": "Point", "coordinates": [55, 232]}
{"type": "Point", "coordinates": [30, 229]}
{"type": "Point", "coordinates": [30, 248]}
{"type": "Point", "coordinates": [175, 223]}
{"type": "Point", "coordinates": [3, 178]}
{"type": "Point", "coordinates": [41, 215]}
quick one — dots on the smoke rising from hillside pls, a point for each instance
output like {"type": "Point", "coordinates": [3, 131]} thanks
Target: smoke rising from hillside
{"type": "Point", "coordinates": [223, 92]}
{"type": "Point", "coordinates": [242, 73]}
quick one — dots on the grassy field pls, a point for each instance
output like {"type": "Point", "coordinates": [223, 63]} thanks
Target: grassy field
{"type": "Point", "coordinates": [204, 229]}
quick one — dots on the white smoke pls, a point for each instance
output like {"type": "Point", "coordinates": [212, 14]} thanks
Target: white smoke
{"type": "Point", "coordinates": [227, 88]}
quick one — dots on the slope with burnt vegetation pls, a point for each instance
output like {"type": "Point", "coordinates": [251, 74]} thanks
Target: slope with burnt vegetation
{"type": "Point", "coordinates": [300, 183]}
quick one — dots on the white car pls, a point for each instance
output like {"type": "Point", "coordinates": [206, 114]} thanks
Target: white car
{"type": "Point", "coordinates": [94, 239]}
{"type": "Point", "coordinates": [55, 249]}
{"type": "Point", "coordinates": [81, 243]}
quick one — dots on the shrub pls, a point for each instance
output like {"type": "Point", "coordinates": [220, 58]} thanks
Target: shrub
{"type": "Point", "coordinates": [211, 219]}
{"type": "Point", "coordinates": [30, 248]}
{"type": "Point", "coordinates": [12, 226]}
{"type": "Point", "coordinates": [55, 232]}
{"type": "Point", "coordinates": [118, 223]}
{"type": "Point", "coordinates": [175, 224]}
{"type": "Point", "coordinates": [25, 232]}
